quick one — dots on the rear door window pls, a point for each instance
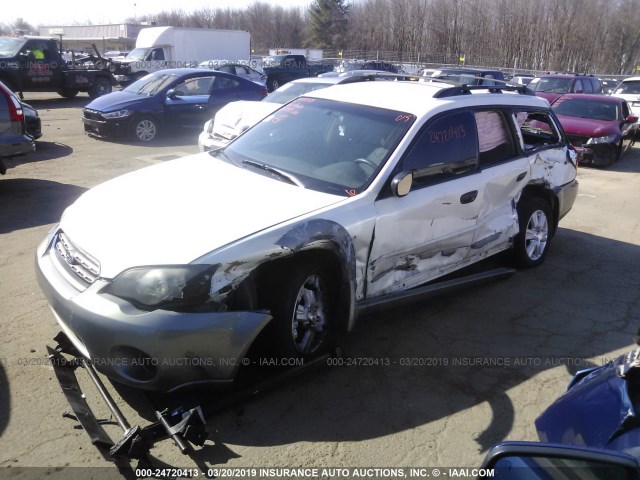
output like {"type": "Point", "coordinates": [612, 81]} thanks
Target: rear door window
{"type": "Point", "coordinates": [537, 130]}
{"type": "Point", "coordinates": [495, 141]}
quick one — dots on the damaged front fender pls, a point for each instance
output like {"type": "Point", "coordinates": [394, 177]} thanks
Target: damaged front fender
{"type": "Point", "coordinates": [242, 259]}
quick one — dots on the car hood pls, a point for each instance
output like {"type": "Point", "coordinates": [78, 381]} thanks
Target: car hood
{"type": "Point", "coordinates": [236, 117]}
{"type": "Point", "coordinates": [587, 127]}
{"type": "Point", "coordinates": [550, 97]}
{"type": "Point", "coordinates": [116, 101]}
{"type": "Point", "coordinates": [177, 211]}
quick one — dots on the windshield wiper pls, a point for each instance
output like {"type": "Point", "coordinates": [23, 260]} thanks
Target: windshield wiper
{"type": "Point", "coordinates": [267, 168]}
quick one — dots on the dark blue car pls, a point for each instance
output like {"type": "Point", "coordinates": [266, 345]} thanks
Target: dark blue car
{"type": "Point", "coordinates": [165, 100]}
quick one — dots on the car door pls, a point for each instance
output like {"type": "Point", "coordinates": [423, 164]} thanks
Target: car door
{"type": "Point", "coordinates": [504, 173]}
{"type": "Point", "coordinates": [628, 129]}
{"type": "Point", "coordinates": [428, 232]}
{"type": "Point", "coordinates": [544, 145]}
{"type": "Point", "coordinates": [227, 89]}
{"type": "Point", "coordinates": [38, 66]}
{"type": "Point", "coordinates": [187, 104]}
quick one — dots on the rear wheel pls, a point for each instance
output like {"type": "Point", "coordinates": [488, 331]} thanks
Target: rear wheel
{"type": "Point", "coordinates": [68, 92]}
{"type": "Point", "coordinates": [101, 86]}
{"type": "Point", "coordinates": [303, 309]}
{"type": "Point", "coordinates": [532, 242]}
{"type": "Point", "coordinates": [273, 85]}
{"type": "Point", "coordinates": [145, 128]}
{"type": "Point", "coordinates": [619, 151]}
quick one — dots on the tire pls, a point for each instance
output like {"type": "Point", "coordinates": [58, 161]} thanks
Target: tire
{"type": "Point", "coordinates": [536, 228]}
{"type": "Point", "coordinates": [619, 151]}
{"type": "Point", "coordinates": [68, 92]}
{"type": "Point", "coordinates": [303, 309]}
{"type": "Point", "coordinates": [145, 128]}
{"type": "Point", "coordinates": [101, 86]}
{"type": "Point", "coordinates": [273, 85]}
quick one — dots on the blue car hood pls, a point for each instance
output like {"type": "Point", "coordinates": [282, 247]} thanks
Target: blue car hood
{"type": "Point", "coordinates": [117, 101]}
{"type": "Point", "coordinates": [598, 409]}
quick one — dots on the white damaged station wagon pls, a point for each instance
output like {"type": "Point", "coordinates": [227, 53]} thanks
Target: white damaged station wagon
{"type": "Point", "coordinates": [344, 198]}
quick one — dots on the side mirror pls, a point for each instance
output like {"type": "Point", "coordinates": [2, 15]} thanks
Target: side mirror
{"type": "Point", "coordinates": [401, 184]}
{"type": "Point", "coordinates": [538, 461]}
{"type": "Point", "coordinates": [171, 93]}
{"type": "Point", "coordinates": [631, 119]}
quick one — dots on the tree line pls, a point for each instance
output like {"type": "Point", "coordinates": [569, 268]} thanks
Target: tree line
{"type": "Point", "coordinates": [591, 36]}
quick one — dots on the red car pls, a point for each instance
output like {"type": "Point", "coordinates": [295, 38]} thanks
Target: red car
{"type": "Point", "coordinates": [601, 128]}
{"type": "Point", "coordinates": [553, 85]}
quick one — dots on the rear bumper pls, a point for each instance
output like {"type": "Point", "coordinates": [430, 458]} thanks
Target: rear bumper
{"type": "Point", "coordinates": [566, 195]}
{"type": "Point", "coordinates": [14, 145]}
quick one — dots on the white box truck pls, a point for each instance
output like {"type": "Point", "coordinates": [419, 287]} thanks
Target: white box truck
{"type": "Point", "coordinates": [158, 48]}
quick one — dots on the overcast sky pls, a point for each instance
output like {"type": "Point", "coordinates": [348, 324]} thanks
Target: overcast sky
{"type": "Point", "coordinates": [47, 12]}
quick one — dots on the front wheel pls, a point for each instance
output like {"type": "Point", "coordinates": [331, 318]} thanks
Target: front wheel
{"type": "Point", "coordinates": [532, 242]}
{"type": "Point", "coordinates": [303, 310]}
{"type": "Point", "coordinates": [144, 128]}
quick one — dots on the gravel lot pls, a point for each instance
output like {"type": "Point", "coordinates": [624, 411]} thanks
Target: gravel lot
{"type": "Point", "coordinates": [427, 402]}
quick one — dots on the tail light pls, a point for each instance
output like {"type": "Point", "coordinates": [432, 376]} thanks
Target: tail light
{"type": "Point", "coordinates": [264, 92]}
{"type": "Point", "coordinates": [15, 109]}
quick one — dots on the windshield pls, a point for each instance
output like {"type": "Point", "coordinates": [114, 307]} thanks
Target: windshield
{"type": "Point", "coordinates": [151, 84]}
{"type": "Point", "coordinates": [9, 46]}
{"type": "Point", "coordinates": [289, 91]}
{"type": "Point", "coordinates": [550, 84]}
{"type": "Point", "coordinates": [137, 54]}
{"type": "Point", "coordinates": [323, 145]}
{"type": "Point", "coordinates": [586, 108]}
{"type": "Point", "coordinates": [628, 88]}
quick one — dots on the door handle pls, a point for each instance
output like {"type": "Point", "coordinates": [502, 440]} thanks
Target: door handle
{"type": "Point", "coordinates": [468, 197]}
{"type": "Point", "coordinates": [521, 176]}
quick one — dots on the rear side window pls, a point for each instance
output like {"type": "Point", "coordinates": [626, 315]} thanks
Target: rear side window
{"type": "Point", "coordinates": [495, 143]}
{"type": "Point", "coordinates": [447, 147]}
{"type": "Point", "coordinates": [582, 86]}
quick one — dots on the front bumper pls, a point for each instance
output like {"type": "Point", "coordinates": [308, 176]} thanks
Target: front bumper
{"type": "Point", "coordinates": [118, 128]}
{"type": "Point", "coordinates": [208, 142]}
{"type": "Point", "coordinates": [602, 154]}
{"type": "Point", "coordinates": [158, 350]}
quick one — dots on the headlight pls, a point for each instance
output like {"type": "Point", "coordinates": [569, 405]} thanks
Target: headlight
{"type": "Point", "coordinates": [118, 114]}
{"type": "Point", "coordinates": [168, 286]}
{"type": "Point", "coordinates": [608, 139]}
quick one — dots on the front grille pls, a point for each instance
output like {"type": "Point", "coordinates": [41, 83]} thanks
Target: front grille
{"type": "Point", "coordinates": [75, 260]}
{"type": "Point", "coordinates": [92, 114]}
{"type": "Point", "coordinates": [578, 140]}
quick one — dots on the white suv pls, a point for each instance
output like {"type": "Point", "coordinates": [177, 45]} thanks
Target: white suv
{"type": "Point", "coordinates": [629, 90]}
{"type": "Point", "coordinates": [345, 198]}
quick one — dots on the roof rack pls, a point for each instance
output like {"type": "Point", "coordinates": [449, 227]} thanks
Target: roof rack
{"type": "Point", "coordinates": [379, 73]}
{"type": "Point", "coordinates": [464, 89]}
